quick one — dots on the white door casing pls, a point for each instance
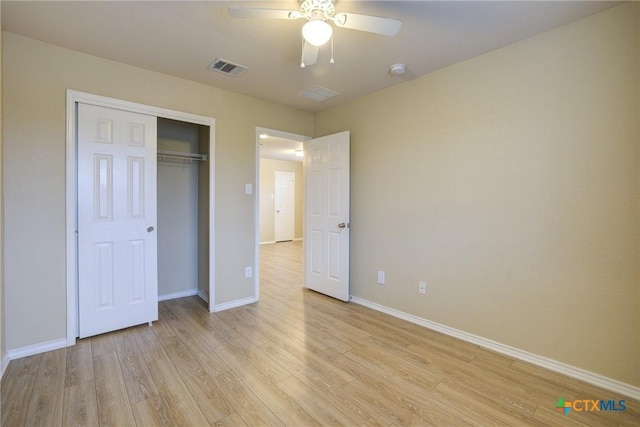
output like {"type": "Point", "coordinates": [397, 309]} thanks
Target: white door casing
{"type": "Point", "coordinates": [117, 240]}
{"type": "Point", "coordinates": [284, 204]}
{"type": "Point", "coordinates": [327, 213]}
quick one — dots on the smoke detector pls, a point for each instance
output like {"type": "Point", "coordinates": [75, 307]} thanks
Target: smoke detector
{"type": "Point", "coordinates": [397, 69]}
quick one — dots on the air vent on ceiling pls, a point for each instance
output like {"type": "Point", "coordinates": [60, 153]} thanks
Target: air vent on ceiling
{"type": "Point", "coordinates": [225, 67]}
{"type": "Point", "coordinates": [318, 94]}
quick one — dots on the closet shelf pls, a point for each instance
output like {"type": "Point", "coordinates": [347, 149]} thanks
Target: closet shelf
{"type": "Point", "coordinates": [181, 155]}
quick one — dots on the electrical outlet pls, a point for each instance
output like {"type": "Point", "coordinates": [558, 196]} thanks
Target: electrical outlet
{"type": "Point", "coordinates": [422, 287]}
{"type": "Point", "coordinates": [380, 277]}
{"type": "Point", "coordinates": [248, 272]}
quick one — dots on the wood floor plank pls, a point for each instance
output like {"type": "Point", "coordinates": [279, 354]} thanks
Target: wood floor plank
{"type": "Point", "coordinates": [298, 355]}
{"type": "Point", "coordinates": [274, 397]}
{"type": "Point", "coordinates": [181, 404]}
{"type": "Point", "coordinates": [233, 420]}
{"type": "Point", "coordinates": [378, 403]}
{"type": "Point", "coordinates": [148, 343]}
{"type": "Point", "coordinates": [413, 397]}
{"type": "Point", "coordinates": [137, 379]}
{"type": "Point", "coordinates": [162, 327]}
{"type": "Point", "coordinates": [574, 390]}
{"type": "Point", "coordinates": [152, 412]}
{"type": "Point", "coordinates": [499, 413]}
{"type": "Point", "coordinates": [45, 406]}
{"type": "Point", "coordinates": [301, 363]}
{"type": "Point", "coordinates": [114, 408]}
{"type": "Point", "coordinates": [334, 325]}
{"type": "Point", "coordinates": [201, 344]}
{"type": "Point", "coordinates": [102, 344]}
{"type": "Point", "coordinates": [24, 366]}
{"type": "Point", "coordinates": [480, 379]}
{"type": "Point", "coordinates": [252, 410]}
{"type": "Point", "coordinates": [281, 320]}
{"type": "Point", "coordinates": [80, 406]}
{"type": "Point", "coordinates": [241, 346]}
{"type": "Point", "coordinates": [543, 388]}
{"type": "Point", "coordinates": [326, 390]}
{"type": "Point", "coordinates": [324, 413]}
{"type": "Point", "coordinates": [206, 393]}
{"type": "Point", "coordinates": [276, 331]}
{"type": "Point", "coordinates": [79, 363]}
{"type": "Point", "coordinates": [16, 393]}
{"type": "Point", "coordinates": [395, 364]}
{"type": "Point", "coordinates": [550, 417]}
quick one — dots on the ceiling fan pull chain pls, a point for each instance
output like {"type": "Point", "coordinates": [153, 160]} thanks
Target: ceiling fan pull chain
{"type": "Point", "coordinates": [332, 61]}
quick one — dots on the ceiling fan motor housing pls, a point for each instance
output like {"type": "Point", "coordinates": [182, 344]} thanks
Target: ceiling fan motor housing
{"type": "Point", "coordinates": [317, 9]}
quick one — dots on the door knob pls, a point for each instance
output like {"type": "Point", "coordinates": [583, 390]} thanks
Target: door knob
{"type": "Point", "coordinates": [343, 225]}
{"type": "Point", "coordinates": [150, 229]}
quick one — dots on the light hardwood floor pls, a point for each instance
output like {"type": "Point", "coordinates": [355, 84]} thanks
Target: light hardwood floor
{"type": "Point", "coordinates": [296, 358]}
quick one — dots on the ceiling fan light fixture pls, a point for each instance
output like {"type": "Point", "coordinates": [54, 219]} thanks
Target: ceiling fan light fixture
{"type": "Point", "coordinates": [317, 32]}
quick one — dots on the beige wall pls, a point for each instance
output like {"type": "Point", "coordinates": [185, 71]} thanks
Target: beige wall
{"type": "Point", "coordinates": [267, 188]}
{"type": "Point", "coordinates": [510, 183]}
{"type": "Point", "coordinates": [36, 76]}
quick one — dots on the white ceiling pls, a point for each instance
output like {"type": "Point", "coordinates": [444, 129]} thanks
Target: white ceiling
{"type": "Point", "coordinates": [279, 148]}
{"type": "Point", "coordinates": [182, 38]}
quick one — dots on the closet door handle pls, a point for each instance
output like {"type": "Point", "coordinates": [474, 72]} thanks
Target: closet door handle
{"type": "Point", "coordinates": [150, 229]}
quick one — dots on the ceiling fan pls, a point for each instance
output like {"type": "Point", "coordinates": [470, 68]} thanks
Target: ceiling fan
{"type": "Point", "coordinates": [318, 30]}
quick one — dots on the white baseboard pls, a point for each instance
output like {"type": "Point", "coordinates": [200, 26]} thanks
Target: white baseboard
{"type": "Point", "coordinates": [544, 362]}
{"type": "Point", "coordinates": [203, 296]}
{"type": "Point", "coordinates": [181, 294]}
{"type": "Point", "coordinates": [30, 350]}
{"type": "Point", "coordinates": [272, 242]}
{"type": "Point", "coordinates": [234, 304]}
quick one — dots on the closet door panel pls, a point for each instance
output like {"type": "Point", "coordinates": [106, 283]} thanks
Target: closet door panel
{"type": "Point", "coordinates": [117, 243]}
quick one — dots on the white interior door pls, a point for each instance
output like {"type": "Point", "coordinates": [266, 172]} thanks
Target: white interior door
{"type": "Point", "coordinates": [285, 206]}
{"type": "Point", "coordinates": [326, 241]}
{"type": "Point", "coordinates": [117, 243]}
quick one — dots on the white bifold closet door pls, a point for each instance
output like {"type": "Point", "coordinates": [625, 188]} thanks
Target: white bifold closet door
{"type": "Point", "coordinates": [117, 241]}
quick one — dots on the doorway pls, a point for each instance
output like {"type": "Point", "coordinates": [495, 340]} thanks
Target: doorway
{"type": "Point", "coordinates": [279, 157]}
{"type": "Point", "coordinates": [183, 200]}
{"type": "Point", "coordinates": [207, 124]}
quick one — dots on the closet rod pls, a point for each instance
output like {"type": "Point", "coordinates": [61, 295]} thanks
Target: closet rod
{"type": "Point", "coordinates": [181, 155]}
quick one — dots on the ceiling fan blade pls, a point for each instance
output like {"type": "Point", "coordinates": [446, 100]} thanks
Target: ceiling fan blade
{"type": "Point", "coordinates": [254, 13]}
{"type": "Point", "coordinates": [372, 24]}
{"type": "Point", "coordinates": [309, 54]}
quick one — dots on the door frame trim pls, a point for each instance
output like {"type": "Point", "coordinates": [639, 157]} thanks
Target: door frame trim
{"type": "Point", "coordinates": [256, 195]}
{"type": "Point", "coordinates": [71, 189]}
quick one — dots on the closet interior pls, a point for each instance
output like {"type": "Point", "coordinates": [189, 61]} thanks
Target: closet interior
{"type": "Point", "coordinates": [183, 209]}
